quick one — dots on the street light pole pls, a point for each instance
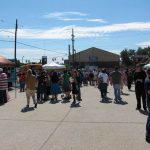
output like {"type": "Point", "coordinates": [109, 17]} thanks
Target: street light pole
{"type": "Point", "coordinates": [22, 58]}
{"type": "Point", "coordinates": [73, 47]}
{"type": "Point", "coordinates": [15, 53]}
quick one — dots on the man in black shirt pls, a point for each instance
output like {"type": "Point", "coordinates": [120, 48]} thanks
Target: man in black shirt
{"type": "Point", "coordinates": [139, 79]}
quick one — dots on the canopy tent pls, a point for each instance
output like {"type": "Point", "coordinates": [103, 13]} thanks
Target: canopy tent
{"type": "Point", "coordinates": [5, 62]}
{"type": "Point", "coordinates": [147, 66]}
{"type": "Point", "coordinates": [53, 65]}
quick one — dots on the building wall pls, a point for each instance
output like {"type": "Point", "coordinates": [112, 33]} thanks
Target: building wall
{"type": "Point", "coordinates": [96, 55]}
{"type": "Point", "coordinates": [110, 64]}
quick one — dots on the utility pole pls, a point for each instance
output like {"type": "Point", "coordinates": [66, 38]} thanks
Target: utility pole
{"type": "Point", "coordinates": [15, 53]}
{"type": "Point", "coordinates": [72, 47]}
{"type": "Point", "coordinates": [69, 53]}
{"type": "Point", "coordinates": [75, 57]}
{"type": "Point", "coordinates": [22, 58]}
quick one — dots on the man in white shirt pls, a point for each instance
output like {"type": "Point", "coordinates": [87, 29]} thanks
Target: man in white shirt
{"type": "Point", "coordinates": [103, 82]}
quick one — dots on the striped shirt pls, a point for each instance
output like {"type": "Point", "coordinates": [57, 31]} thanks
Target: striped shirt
{"type": "Point", "coordinates": [3, 81]}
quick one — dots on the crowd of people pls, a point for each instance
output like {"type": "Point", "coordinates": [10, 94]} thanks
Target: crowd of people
{"type": "Point", "coordinates": [44, 85]}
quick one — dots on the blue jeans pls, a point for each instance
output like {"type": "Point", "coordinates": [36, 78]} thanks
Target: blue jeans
{"type": "Point", "coordinates": [148, 102]}
{"type": "Point", "coordinates": [117, 91]}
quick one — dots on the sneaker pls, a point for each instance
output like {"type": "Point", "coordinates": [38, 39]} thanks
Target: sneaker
{"type": "Point", "coordinates": [35, 105]}
{"type": "Point", "coordinates": [120, 99]}
{"type": "Point", "coordinates": [79, 99]}
{"type": "Point", "coordinates": [147, 139]}
{"type": "Point", "coordinates": [74, 102]}
{"type": "Point", "coordinates": [27, 106]}
{"type": "Point", "coordinates": [115, 100]}
{"type": "Point", "coordinates": [138, 108]}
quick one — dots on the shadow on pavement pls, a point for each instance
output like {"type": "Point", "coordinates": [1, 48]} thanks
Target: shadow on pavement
{"type": "Point", "coordinates": [132, 90]}
{"type": "Point", "coordinates": [1, 104]}
{"type": "Point", "coordinates": [25, 109]}
{"type": "Point", "coordinates": [75, 105]}
{"type": "Point", "coordinates": [125, 94]}
{"type": "Point", "coordinates": [143, 112]}
{"type": "Point", "coordinates": [10, 89]}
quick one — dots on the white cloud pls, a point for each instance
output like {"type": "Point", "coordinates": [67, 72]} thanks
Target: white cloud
{"type": "Point", "coordinates": [115, 51]}
{"type": "Point", "coordinates": [80, 32]}
{"type": "Point", "coordinates": [72, 16]}
{"type": "Point", "coordinates": [65, 16]}
{"type": "Point", "coordinates": [97, 20]}
{"type": "Point", "coordinates": [144, 44]}
{"type": "Point", "coordinates": [71, 19]}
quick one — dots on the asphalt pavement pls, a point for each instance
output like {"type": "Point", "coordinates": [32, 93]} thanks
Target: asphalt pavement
{"type": "Point", "coordinates": [91, 124]}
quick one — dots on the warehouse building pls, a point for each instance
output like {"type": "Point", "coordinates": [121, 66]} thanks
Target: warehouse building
{"type": "Point", "coordinates": [94, 57]}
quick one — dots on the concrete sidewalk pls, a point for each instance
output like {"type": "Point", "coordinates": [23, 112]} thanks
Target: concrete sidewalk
{"type": "Point", "coordinates": [91, 125]}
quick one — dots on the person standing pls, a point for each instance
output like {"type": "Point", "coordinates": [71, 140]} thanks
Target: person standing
{"type": "Point", "coordinates": [116, 80]}
{"type": "Point", "coordinates": [103, 82]}
{"type": "Point", "coordinates": [31, 85]}
{"type": "Point", "coordinates": [66, 85]}
{"type": "Point", "coordinates": [129, 78]}
{"type": "Point", "coordinates": [75, 86]}
{"type": "Point", "coordinates": [42, 89]}
{"type": "Point", "coordinates": [55, 87]}
{"type": "Point", "coordinates": [139, 79]}
{"type": "Point", "coordinates": [124, 80]}
{"type": "Point", "coordinates": [91, 77]}
{"type": "Point", "coordinates": [22, 81]}
{"type": "Point", "coordinates": [95, 79]}
{"type": "Point", "coordinates": [3, 87]}
{"type": "Point", "coordinates": [147, 89]}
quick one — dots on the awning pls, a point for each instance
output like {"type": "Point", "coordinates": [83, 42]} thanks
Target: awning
{"type": "Point", "coordinates": [5, 62]}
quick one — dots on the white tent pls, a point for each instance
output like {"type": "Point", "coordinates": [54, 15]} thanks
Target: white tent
{"type": "Point", "coordinates": [53, 65]}
{"type": "Point", "coordinates": [147, 66]}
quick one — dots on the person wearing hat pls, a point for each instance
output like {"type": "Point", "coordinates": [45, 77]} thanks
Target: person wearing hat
{"type": "Point", "coordinates": [3, 86]}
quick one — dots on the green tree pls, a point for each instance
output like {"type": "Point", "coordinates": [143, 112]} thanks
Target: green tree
{"type": "Point", "coordinates": [143, 51]}
{"type": "Point", "coordinates": [127, 56]}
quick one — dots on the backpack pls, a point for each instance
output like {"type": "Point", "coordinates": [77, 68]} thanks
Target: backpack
{"type": "Point", "coordinates": [148, 129]}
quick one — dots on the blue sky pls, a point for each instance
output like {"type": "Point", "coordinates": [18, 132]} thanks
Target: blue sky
{"type": "Point", "coordinates": [111, 25]}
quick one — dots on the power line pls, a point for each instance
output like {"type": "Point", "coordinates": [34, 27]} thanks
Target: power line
{"type": "Point", "coordinates": [102, 45]}
{"type": "Point", "coordinates": [39, 47]}
{"type": "Point", "coordinates": [6, 41]}
{"type": "Point", "coordinates": [7, 31]}
{"type": "Point", "coordinates": [33, 46]}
